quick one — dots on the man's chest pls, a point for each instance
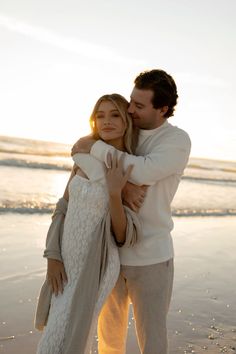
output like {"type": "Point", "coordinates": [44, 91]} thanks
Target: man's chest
{"type": "Point", "coordinates": [147, 144]}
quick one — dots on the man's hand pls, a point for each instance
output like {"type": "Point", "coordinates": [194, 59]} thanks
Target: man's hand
{"type": "Point", "coordinates": [56, 276]}
{"type": "Point", "coordinates": [83, 145]}
{"type": "Point", "coordinates": [133, 196]}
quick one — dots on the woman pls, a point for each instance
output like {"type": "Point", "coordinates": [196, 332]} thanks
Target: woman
{"type": "Point", "coordinates": [91, 261]}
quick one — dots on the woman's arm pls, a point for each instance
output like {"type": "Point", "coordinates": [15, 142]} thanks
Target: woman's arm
{"type": "Point", "coordinates": [116, 181]}
{"type": "Point", "coordinates": [56, 274]}
{"type": "Point", "coordinates": [73, 172]}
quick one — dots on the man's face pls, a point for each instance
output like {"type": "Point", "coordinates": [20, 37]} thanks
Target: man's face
{"type": "Point", "coordinates": [144, 115]}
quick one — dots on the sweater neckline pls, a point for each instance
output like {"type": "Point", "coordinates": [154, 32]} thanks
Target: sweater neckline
{"type": "Point", "coordinates": [149, 132]}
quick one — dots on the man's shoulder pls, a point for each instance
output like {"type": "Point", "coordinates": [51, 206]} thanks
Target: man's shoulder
{"type": "Point", "coordinates": [173, 131]}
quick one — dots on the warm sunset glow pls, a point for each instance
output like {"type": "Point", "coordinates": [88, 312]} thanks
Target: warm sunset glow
{"type": "Point", "coordinates": [59, 184]}
{"type": "Point", "coordinates": [54, 68]}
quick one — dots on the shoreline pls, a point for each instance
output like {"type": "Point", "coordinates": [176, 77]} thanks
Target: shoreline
{"type": "Point", "coordinates": [202, 313]}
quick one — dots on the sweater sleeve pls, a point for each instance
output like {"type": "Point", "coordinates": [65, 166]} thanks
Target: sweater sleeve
{"type": "Point", "coordinates": [55, 232]}
{"type": "Point", "coordinates": [133, 228]}
{"type": "Point", "coordinates": [167, 158]}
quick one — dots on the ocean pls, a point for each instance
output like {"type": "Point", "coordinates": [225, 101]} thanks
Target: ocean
{"type": "Point", "coordinates": [33, 175]}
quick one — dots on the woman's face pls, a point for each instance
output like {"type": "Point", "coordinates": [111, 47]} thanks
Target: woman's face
{"type": "Point", "coordinates": [109, 123]}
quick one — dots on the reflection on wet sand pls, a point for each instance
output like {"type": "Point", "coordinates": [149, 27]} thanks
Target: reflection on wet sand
{"type": "Point", "coordinates": [202, 312]}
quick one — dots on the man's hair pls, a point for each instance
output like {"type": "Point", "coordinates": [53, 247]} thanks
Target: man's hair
{"type": "Point", "coordinates": [163, 87]}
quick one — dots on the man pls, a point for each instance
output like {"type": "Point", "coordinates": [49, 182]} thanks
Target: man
{"type": "Point", "coordinates": [146, 275]}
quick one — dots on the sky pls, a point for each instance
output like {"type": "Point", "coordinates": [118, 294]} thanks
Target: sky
{"type": "Point", "coordinates": [57, 57]}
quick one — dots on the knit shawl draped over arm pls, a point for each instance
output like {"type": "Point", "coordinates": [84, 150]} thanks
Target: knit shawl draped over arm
{"type": "Point", "coordinates": [87, 289]}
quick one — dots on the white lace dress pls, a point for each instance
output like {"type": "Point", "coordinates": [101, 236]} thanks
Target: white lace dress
{"type": "Point", "coordinates": [88, 203]}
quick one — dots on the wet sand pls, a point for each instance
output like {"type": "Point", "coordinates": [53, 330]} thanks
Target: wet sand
{"type": "Point", "coordinates": [202, 317]}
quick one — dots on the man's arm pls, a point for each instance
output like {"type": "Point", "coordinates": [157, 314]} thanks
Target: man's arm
{"type": "Point", "coordinates": [167, 158]}
{"type": "Point", "coordinates": [133, 196]}
{"type": "Point", "coordinates": [83, 145]}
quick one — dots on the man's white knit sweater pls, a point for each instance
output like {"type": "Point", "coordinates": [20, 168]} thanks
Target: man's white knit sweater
{"type": "Point", "coordinates": [162, 156]}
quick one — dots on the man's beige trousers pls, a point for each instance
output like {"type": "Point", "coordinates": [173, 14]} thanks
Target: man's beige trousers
{"type": "Point", "coordinates": [149, 289]}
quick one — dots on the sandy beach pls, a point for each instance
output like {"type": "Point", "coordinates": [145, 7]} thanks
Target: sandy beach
{"type": "Point", "coordinates": [202, 315]}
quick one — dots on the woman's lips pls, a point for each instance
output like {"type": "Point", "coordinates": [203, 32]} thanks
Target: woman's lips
{"type": "Point", "coordinates": [108, 129]}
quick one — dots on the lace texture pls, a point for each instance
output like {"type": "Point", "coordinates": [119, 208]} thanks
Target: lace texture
{"type": "Point", "coordinates": [88, 203]}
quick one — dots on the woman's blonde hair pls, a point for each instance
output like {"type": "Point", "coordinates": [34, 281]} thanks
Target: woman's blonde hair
{"type": "Point", "coordinates": [131, 133]}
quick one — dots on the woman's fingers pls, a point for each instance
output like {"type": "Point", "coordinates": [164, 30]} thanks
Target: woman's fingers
{"type": "Point", "coordinates": [61, 278]}
{"type": "Point", "coordinates": [114, 160]}
{"type": "Point", "coordinates": [120, 162]}
{"type": "Point", "coordinates": [109, 160]}
{"type": "Point", "coordinates": [54, 286]}
{"type": "Point", "coordinates": [64, 276]}
{"type": "Point", "coordinates": [52, 283]}
{"type": "Point", "coordinates": [56, 276]}
{"type": "Point", "coordinates": [116, 176]}
{"type": "Point", "coordinates": [127, 173]}
{"type": "Point", "coordinates": [60, 284]}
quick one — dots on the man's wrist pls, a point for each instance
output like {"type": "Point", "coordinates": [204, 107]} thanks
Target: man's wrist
{"type": "Point", "coordinates": [83, 146]}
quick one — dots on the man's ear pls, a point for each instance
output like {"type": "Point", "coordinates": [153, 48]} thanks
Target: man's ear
{"type": "Point", "coordinates": [163, 110]}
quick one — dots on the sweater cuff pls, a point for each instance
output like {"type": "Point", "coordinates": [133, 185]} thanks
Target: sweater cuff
{"type": "Point", "coordinates": [52, 255]}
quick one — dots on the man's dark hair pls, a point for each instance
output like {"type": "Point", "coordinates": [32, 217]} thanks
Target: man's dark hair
{"type": "Point", "coordinates": [163, 87]}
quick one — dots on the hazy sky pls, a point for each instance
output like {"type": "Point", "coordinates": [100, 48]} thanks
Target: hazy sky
{"type": "Point", "coordinates": [57, 57]}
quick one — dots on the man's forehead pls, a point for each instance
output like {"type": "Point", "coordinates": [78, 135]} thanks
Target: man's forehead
{"type": "Point", "coordinates": [142, 96]}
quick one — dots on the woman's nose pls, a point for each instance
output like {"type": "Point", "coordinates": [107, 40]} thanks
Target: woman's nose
{"type": "Point", "coordinates": [107, 120]}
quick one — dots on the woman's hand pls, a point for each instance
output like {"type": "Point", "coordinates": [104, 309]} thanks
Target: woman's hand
{"type": "Point", "coordinates": [56, 276]}
{"type": "Point", "coordinates": [116, 178]}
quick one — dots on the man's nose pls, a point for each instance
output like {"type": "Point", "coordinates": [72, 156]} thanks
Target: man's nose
{"type": "Point", "coordinates": [131, 108]}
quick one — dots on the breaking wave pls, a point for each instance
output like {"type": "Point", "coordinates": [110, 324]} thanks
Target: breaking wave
{"type": "Point", "coordinates": [30, 207]}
